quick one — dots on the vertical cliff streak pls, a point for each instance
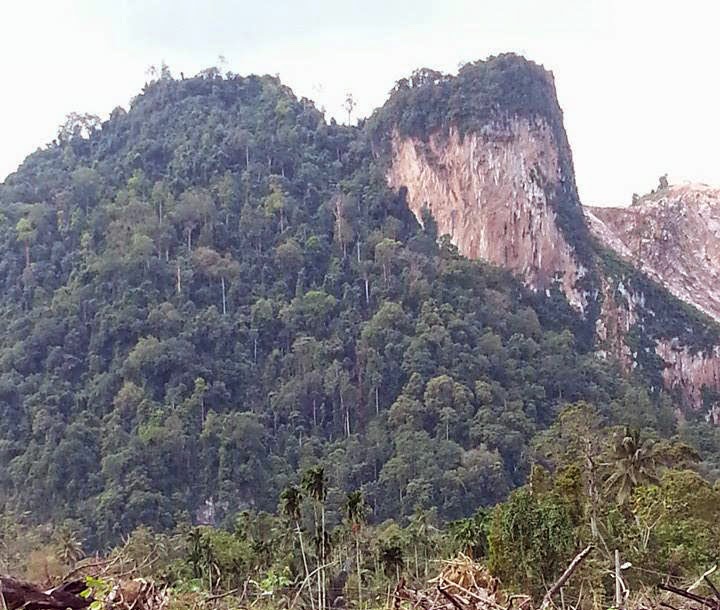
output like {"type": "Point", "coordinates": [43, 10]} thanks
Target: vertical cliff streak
{"type": "Point", "coordinates": [615, 321]}
{"type": "Point", "coordinates": [488, 191]}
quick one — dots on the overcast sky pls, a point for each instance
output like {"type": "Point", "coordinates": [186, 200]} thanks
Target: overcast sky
{"type": "Point", "coordinates": [637, 79]}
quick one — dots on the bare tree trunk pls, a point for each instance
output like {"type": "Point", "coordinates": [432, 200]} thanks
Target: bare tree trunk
{"type": "Point", "coordinates": [359, 574]}
{"type": "Point", "coordinates": [224, 300]}
{"type": "Point", "coordinates": [618, 585]}
{"type": "Point", "coordinates": [304, 558]}
{"type": "Point", "coordinates": [324, 586]}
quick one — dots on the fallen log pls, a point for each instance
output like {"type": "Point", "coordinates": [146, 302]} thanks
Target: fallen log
{"type": "Point", "coordinates": [15, 594]}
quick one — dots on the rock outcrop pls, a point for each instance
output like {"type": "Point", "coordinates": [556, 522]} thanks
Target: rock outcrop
{"type": "Point", "coordinates": [694, 376]}
{"type": "Point", "coordinates": [492, 193]}
{"type": "Point", "coordinates": [672, 235]}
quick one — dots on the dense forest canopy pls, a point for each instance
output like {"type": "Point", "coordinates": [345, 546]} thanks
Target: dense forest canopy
{"type": "Point", "coordinates": [215, 290]}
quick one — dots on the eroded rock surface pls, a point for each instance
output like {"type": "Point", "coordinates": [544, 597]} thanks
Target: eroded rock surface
{"type": "Point", "coordinates": [673, 235]}
{"type": "Point", "coordinates": [492, 193]}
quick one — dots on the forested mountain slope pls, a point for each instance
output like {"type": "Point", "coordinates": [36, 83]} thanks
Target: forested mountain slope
{"type": "Point", "coordinates": [216, 289]}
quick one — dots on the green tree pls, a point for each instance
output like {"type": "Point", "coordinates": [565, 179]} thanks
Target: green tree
{"type": "Point", "coordinates": [637, 461]}
{"type": "Point", "coordinates": [26, 233]}
{"type": "Point", "coordinates": [315, 484]}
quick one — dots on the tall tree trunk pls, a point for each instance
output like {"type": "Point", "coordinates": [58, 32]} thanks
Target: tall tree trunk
{"type": "Point", "coordinates": [324, 585]}
{"type": "Point", "coordinates": [319, 557]}
{"type": "Point", "coordinates": [27, 255]}
{"type": "Point", "coordinates": [304, 558]}
{"type": "Point", "coordinates": [357, 563]}
{"type": "Point", "coordinates": [224, 300]}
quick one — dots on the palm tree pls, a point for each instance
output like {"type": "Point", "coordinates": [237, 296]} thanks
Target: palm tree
{"type": "Point", "coordinates": [291, 501]}
{"type": "Point", "coordinates": [470, 535]}
{"type": "Point", "coordinates": [355, 509]}
{"type": "Point", "coordinates": [314, 483]}
{"type": "Point", "coordinates": [70, 549]}
{"type": "Point", "coordinates": [637, 462]}
{"type": "Point", "coordinates": [634, 463]}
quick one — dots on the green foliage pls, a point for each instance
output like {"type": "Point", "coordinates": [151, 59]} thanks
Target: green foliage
{"type": "Point", "coordinates": [531, 539]}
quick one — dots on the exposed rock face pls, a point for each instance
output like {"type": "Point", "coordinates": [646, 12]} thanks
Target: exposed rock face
{"type": "Point", "coordinates": [615, 321]}
{"type": "Point", "coordinates": [688, 373]}
{"type": "Point", "coordinates": [491, 192]}
{"type": "Point", "coordinates": [673, 235]}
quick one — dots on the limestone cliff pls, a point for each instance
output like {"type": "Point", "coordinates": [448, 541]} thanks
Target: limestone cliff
{"type": "Point", "coordinates": [694, 376]}
{"type": "Point", "coordinates": [491, 192]}
{"type": "Point", "coordinates": [486, 152]}
{"type": "Point", "coordinates": [673, 235]}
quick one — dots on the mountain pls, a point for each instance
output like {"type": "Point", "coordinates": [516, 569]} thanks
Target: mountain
{"type": "Point", "coordinates": [216, 288]}
{"type": "Point", "coordinates": [501, 185]}
{"type": "Point", "coordinates": [672, 235]}
{"type": "Point", "coordinates": [486, 154]}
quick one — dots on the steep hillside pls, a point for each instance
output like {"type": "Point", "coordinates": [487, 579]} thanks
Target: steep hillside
{"type": "Point", "coordinates": [216, 289]}
{"type": "Point", "coordinates": [672, 235]}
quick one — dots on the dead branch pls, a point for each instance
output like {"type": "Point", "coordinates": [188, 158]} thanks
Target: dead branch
{"type": "Point", "coordinates": [711, 584]}
{"type": "Point", "coordinates": [574, 565]}
{"type": "Point", "coordinates": [451, 598]}
{"type": "Point", "coordinates": [710, 603]}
